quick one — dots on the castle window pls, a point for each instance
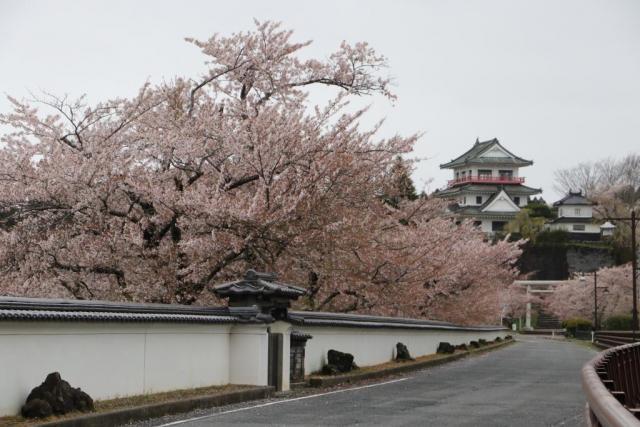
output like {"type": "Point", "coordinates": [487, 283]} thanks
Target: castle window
{"type": "Point", "coordinates": [478, 200]}
{"type": "Point", "coordinates": [498, 225]}
{"type": "Point", "coordinates": [516, 200]}
{"type": "Point", "coordinates": [484, 173]}
{"type": "Point", "coordinates": [505, 173]}
{"type": "Point", "coordinates": [578, 227]}
{"type": "Point", "coordinates": [577, 210]}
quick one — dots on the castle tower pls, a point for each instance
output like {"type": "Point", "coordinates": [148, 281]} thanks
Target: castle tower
{"type": "Point", "coordinates": [487, 185]}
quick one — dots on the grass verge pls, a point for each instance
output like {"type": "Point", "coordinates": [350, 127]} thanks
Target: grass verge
{"type": "Point", "coordinates": [105, 406]}
{"type": "Point", "coordinates": [393, 367]}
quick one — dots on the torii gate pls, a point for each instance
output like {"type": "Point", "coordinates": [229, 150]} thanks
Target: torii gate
{"type": "Point", "coordinates": [537, 287]}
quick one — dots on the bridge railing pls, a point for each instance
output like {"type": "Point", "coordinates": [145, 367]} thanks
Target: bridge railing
{"type": "Point", "coordinates": [608, 339]}
{"type": "Point", "coordinates": [611, 382]}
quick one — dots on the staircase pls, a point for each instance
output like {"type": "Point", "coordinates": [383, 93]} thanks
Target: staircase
{"type": "Point", "coordinates": [547, 321]}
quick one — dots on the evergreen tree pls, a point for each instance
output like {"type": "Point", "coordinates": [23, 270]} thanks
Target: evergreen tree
{"type": "Point", "coordinates": [400, 186]}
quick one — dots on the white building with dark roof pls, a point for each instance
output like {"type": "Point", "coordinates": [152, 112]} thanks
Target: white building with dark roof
{"type": "Point", "coordinates": [575, 215]}
{"type": "Point", "coordinates": [487, 185]}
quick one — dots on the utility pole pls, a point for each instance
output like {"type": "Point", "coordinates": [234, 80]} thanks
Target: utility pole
{"type": "Point", "coordinates": [634, 271]}
{"type": "Point", "coordinates": [595, 300]}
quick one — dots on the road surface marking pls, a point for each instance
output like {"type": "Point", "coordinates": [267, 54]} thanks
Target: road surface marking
{"type": "Point", "coordinates": [262, 405]}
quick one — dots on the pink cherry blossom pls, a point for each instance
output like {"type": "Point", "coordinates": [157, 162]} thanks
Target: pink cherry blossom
{"type": "Point", "coordinates": [575, 298]}
{"type": "Point", "coordinates": [190, 182]}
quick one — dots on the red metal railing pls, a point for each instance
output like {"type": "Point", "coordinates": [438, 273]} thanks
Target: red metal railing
{"type": "Point", "coordinates": [611, 382]}
{"type": "Point", "coordinates": [485, 179]}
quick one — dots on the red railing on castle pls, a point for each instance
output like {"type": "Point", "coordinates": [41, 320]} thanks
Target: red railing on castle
{"type": "Point", "coordinates": [486, 179]}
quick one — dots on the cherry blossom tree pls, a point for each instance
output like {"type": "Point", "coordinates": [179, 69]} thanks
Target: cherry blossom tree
{"type": "Point", "coordinates": [575, 297]}
{"type": "Point", "coordinates": [190, 182]}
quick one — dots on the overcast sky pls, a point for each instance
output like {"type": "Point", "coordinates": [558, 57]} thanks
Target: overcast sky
{"type": "Point", "coordinates": [555, 81]}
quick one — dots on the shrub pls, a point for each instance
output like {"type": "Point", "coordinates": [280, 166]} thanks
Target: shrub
{"type": "Point", "coordinates": [552, 238]}
{"type": "Point", "coordinates": [576, 324]}
{"type": "Point", "coordinates": [619, 322]}
{"type": "Point", "coordinates": [537, 209]}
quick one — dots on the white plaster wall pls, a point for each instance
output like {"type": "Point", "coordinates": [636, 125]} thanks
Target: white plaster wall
{"type": "Point", "coordinates": [502, 203]}
{"type": "Point", "coordinates": [249, 350]}
{"type": "Point", "coordinates": [471, 200]}
{"type": "Point", "coordinates": [486, 226]}
{"type": "Point", "coordinates": [569, 211]}
{"type": "Point", "coordinates": [462, 169]}
{"type": "Point", "coordinates": [495, 152]}
{"type": "Point", "coordinates": [589, 228]}
{"type": "Point", "coordinates": [371, 346]}
{"type": "Point", "coordinates": [110, 359]}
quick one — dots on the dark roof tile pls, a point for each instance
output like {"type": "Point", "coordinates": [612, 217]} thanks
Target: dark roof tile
{"type": "Point", "coordinates": [573, 199]}
{"type": "Point", "coordinates": [255, 283]}
{"type": "Point", "coordinates": [316, 318]}
{"type": "Point", "coordinates": [15, 308]}
{"type": "Point", "coordinates": [472, 156]}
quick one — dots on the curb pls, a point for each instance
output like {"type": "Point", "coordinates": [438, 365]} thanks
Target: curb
{"type": "Point", "coordinates": [155, 410]}
{"type": "Point", "coordinates": [322, 381]}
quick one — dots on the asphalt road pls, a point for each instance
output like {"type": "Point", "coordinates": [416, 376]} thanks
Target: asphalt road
{"type": "Point", "coordinates": [534, 382]}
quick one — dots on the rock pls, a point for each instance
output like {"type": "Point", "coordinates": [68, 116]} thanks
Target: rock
{"type": "Point", "coordinates": [58, 395]}
{"type": "Point", "coordinates": [482, 341]}
{"type": "Point", "coordinates": [36, 408]}
{"type": "Point", "coordinates": [343, 362]}
{"type": "Point", "coordinates": [508, 337]}
{"type": "Point", "coordinates": [498, 339]}
{"type": "Point", "coordinates": [462, 347]}
{"type": "Point", "coordinates": [82, 401]}
{"type": "Point", "coordinates": [446, 348]}
{"type": "Point", "coordinates": [474, 344]}
{"type": "Point", "coordinates": [402, 352]}
{"type": "Point", "coordinates": [330, 370]}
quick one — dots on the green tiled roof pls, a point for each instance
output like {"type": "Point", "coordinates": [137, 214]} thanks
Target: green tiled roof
{"type": "Point", "coordinates": [516, 189]}
{"type": "Point", "coordinates": [475, 212]}
{"type": "Point", "coordinates": [472, 156]}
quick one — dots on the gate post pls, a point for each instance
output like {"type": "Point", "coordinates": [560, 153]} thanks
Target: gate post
{"type": "Point", "coordinates": [282, 364]}
{"type": "Point", "coordinates": [528, 319]}
{"type": "Point", "coordinates": [263, 302]}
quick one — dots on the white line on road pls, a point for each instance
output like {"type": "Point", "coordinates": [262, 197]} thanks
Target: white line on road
{"type": "Point", "coordinates": [175, 423]}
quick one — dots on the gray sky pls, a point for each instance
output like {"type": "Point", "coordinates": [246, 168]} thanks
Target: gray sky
{"type": "Point", "coordinates": [556, 81]}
